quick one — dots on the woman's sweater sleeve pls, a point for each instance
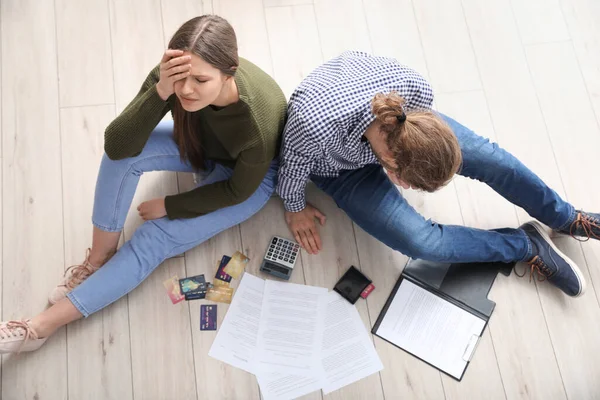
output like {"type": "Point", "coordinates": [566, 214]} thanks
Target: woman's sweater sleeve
{"type": "Point", "coordinates": [127, 135]}
{"type": "Point", "coordinates": [250, 170]}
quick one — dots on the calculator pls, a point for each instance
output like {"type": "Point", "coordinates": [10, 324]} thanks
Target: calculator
{"type": "Point", "coordinates": [280, 257]}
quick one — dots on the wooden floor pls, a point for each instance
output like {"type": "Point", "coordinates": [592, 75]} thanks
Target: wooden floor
{"type": "Point", "coordinates": [525, 73]}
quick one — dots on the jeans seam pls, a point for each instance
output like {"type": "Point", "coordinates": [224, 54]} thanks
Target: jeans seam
{"type": "Point", "coordinates": [78, 304]}
{"type": "Point", "coordinates": [105, 228]}
{"type": "Point", "coordinates": [569, 220]}
{"type": "Point", "coordinates": [529, 246]}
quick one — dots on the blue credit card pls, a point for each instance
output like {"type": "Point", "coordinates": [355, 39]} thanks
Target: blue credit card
{"type": "Point", "coordinates": [192, 283]}
{"type": "Point", "coordinates": [222, 275]}
{"type": "Point", "coordinates": [208, 317]}
{"type": "Point", "coordinates": [199, 292]}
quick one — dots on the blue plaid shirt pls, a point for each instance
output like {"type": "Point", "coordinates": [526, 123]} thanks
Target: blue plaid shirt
{"type": "Point", "coordinates": [329, 113]}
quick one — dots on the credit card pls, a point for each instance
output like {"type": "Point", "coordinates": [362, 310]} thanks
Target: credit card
{"type": "Point", "coordinates": [172, 286]}
{"type": "Point", "coordinates": [198, 293]}
{"type": "Point", "coordinates": [191, 283]}
{"type": "Point", "coordinates": [222, 275]}
{"type": "Point", "coordinates": [220, 294]}
{"type": "Point", "coordinates": [365, 293]}
{"type": "Point", "coordinates": [235, 267]}
{"type": "Point", "coordinates": [208, 317]}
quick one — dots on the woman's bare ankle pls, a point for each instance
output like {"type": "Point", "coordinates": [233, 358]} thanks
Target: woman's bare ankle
{"type": "Point", "coordinates": [98, 260]}
{"type": "Point", "coordinates": [41, 328]}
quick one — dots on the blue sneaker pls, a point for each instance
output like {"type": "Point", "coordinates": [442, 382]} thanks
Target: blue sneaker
{"type": "Point", "coordinates": [550, 263]}
{"type": "Point", "coordinates": [586, 225]}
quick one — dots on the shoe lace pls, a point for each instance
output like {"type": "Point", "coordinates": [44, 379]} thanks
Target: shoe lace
{"type": "Point", "coordinates": [79, 272]}
{"type": "Point", "coordinates": [18, 329]}
{"type": "Point", "coordinates": [587, 223]}
{"type": "Point", "coordinates": [536, 266]}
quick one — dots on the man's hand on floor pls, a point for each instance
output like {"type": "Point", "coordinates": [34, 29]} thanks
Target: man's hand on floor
{"type": "Point", "coordinates": [303, 227]}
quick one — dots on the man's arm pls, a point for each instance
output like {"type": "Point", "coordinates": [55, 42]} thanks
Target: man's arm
{"type": "Point", "coordinates": [297, 160]}
{"type": "Point", "coordinates": [298, 152]}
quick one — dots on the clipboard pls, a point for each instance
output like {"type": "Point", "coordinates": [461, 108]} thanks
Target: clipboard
{"type": "Point", "coordinates": [465, 285]}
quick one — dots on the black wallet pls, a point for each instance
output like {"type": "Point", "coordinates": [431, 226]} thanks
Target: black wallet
{"type": "Point", "coordinates": [352, 284]}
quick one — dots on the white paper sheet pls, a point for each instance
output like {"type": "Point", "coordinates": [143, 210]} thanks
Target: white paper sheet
{"type": "Point", "coordinates": [431, 328]}
{"type": "Point", "coordinates": [235, 343]}
{"type": "Point", "coordinates": [348, 351]}
{"type": "Point", "coordinates": [335, 349]}
{"type": "Point", "coordinates": [282, 386]}
{"type": "Point", "coordinates": [291, 327]}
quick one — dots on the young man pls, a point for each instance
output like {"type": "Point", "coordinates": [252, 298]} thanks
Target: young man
{"type": "Point", "coordinates": [359, 124]}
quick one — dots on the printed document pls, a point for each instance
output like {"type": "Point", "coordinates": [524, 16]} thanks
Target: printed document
{"type": "Point", "coordinates": [431, 328]}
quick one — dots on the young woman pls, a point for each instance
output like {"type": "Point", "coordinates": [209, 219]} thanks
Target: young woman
{"type": "Point", "coordinates": [228, 116]}
{"type": "Point", "coordinates": [359, 124]}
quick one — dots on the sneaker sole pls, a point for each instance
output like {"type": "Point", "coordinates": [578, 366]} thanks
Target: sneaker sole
{"type": "Point", "coordinates": [582, 283]}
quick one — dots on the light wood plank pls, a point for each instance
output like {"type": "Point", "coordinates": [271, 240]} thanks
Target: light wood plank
{"type": "Point", "coordinates": [520, 361]}
{"type": "Point", "coordinates": [255, 239]}
{"type": "Point", "coordinates": [165, 329]}
{"type": "Point", "coordinates": [248, 19]}
{"type": "Point", "coordinates": [84, 55]}
{"type": "Point", "coordinates": [540, 21]}
{"type": "Point", "coordinates": [211, 373]}
{"type": "Point", "coordinates": [293, 25]}
{"type": "Point", "coordinates": [394, 32]}
{"type": "Point", "coordinates": [161, 344]}
{"type": "Point", "coordinates": [138, 45]}
{"type": "Point", "coordinates": [512, 100]}
{"type": "Point", "coordinates": [340, 31]}
{"type": "Point", "coordinates": [574, 326]}
{"type": "Point", "coordinates": [555, 73]}
{"type": "Point", "coordinates": [176, 12]}
{"type": "Point", "coordinates": [281, 3]}
{"type": "Point", "coordinates": [445, 37]}
{"type": "Point", "coordinates": [402, 372]}
{"type": "Point", "coordinates": [582, 18]}
{"type": "Point", "coordinates": [107, 364]}
{"type": "Point", "coordinates": [1, 189]}
{"type": "Point", "coordinates": [325, 269]}
{"type": "Point", "coordinates": [32, 223]}
{"type": "Point", "coordinates": [578, 118]}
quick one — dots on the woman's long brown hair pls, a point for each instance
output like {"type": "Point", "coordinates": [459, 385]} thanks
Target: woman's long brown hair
{"type": "Point", "coordinates": [213, 39]}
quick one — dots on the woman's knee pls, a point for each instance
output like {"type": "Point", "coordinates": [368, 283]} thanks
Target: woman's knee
{"type": "Point", "coordinates": [152, 244]}
{"type": "Point", "coordinates": [121, 166]}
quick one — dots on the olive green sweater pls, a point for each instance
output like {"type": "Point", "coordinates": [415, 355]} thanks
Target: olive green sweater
{"type": "Point", "coordinates": [244, 136]}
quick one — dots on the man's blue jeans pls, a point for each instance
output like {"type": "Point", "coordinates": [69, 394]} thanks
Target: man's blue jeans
{"type": "Point", "coordinates": [373, 202]}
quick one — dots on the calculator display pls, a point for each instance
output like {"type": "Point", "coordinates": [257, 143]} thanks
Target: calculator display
{"type": "Point", "coordinates": [277, 268]}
